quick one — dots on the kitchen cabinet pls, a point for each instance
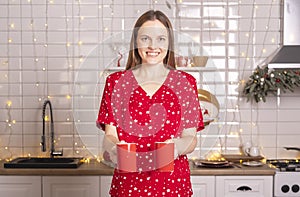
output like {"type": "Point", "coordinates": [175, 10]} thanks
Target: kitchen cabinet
{"type": "Point", "coordinates": [240, 186]}
{"type": "Point", "coordinates": [20, 186]}
{"type": "Point", "coordinates": [75, 186]}
{"type": "Point", "coordinates": [105, 185]}
{"type": "Point", "coordinates": [55, 186]}
{"type": "Point", "coordinates": [99, 185]}
{"type": "Point", "coordinates": [203, 185]}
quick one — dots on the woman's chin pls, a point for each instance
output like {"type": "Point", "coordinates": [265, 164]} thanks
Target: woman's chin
{"type": "Point", "coordinates": [152, 62]}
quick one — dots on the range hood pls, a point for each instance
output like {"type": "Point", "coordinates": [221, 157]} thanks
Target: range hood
{"type": "Point", "coordinates": [288, 55]}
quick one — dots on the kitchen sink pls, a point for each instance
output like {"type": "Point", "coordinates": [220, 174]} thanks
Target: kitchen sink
{"type": "Point", "coordinates": [44, 162]}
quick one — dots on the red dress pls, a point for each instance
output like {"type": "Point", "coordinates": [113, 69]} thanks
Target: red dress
{"type": "Point", "coordinates": [144, 120]}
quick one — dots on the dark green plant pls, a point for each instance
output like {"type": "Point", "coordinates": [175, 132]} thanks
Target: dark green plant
{"type": "Point", "coordinates": [264, 81]}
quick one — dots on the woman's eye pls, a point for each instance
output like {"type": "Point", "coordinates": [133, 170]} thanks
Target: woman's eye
{"type": "Point", "coordinates": [161, 39]}
{"type": "Point", "coordinates": [144, 39]}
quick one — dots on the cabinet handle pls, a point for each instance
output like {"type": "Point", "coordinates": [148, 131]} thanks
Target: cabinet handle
{"type": "Point", "coordinates": [244, 188]}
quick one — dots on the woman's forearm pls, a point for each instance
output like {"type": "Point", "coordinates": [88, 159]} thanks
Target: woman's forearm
{"type": "Point", "coordinates": [185, 145]}
{"type": "Point", "coordinates": [187, 142]}
{"type": "Point", "coordinates": [110, 138]}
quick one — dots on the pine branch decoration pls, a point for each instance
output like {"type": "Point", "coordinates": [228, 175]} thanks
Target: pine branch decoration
{"type": "Point", "coordinates": [264, 81]}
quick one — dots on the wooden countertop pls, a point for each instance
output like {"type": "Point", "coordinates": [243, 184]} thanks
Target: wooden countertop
{"type": "Point", "coordinates": [97, 168]}
{"type": "Point", "coordinates": [237, 169]}
{"type": "Point", "coordinates": [91, 168]}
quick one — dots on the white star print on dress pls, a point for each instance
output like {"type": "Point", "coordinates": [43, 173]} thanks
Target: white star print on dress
{"type": "Point", "coordinates": [144, 120]}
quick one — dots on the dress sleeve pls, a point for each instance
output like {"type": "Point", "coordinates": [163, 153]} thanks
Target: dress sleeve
{"type": "Point", "coordinates": [105, 114]}
{"type": "Point", "coordinates": [194, 108]}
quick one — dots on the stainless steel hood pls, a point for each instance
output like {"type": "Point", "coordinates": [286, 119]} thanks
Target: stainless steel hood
{"type": "Point", "coordinates": [288, 56]}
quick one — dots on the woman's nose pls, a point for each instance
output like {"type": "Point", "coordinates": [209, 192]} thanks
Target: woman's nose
{"type": "Point", "coordinates": [152, 44]}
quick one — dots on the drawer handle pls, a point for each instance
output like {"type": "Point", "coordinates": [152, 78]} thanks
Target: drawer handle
{"type": "Point", "coordinates": [244, 188]}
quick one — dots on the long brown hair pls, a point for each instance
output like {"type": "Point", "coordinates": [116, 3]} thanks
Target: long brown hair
{"type": "Point", "coordinates": [134, 58]}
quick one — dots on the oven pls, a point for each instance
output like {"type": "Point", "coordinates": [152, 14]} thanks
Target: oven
{"type": "Point", "coordinates": [286, 178]}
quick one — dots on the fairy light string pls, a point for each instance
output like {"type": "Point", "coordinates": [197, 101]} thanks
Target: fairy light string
{"type": "Point", "coordinates": [78, 148]}
{"type": "Point", "coordinates": [263, 51]}
{"type": "Point", "coordinates": [80, 19]}
{"type": "Point", "coordinates": [68, 45]}
{"type": "Point", "coordinates": [45, 95]}
{"type": "Point", "coordinates": [229, 124]}
{"type": "Point", "coordinates": [69, 63]}
{"type": "Point", "coordinates": [254, 108]}
{"type": "Point", "coordinates": [8, 106]}
{"type": "Point", "coordinates": [46, 56]}
{"type": "Point", "coordinates": [234, 130]}
{"type": "Point", "coordinates": [267, 29]}
{"type": "Point", "coordinates": [111, 6]}
{"type": "Point", "coordinates": [76, 144]}
{"type": "Point", "coordinates": [34, 48]}
{"type": "Point", "coordinates": [34, 41]}
{"type": "Point", "coordinates": [244, 55]}
{"type": "Point", "coordinates": [67, 49]}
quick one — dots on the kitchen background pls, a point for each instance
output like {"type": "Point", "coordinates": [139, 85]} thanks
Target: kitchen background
{"type": "Point", "coordinates": [62, 50]}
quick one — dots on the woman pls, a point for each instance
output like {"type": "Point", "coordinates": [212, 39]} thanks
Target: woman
{"type": "Point", "coordinates": [151, 102]}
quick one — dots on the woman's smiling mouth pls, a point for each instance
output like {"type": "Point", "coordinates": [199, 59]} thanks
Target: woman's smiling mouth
{"type": "Point", "coordinates": [152, 54]}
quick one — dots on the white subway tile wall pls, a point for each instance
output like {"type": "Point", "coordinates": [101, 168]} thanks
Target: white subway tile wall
{"type": "Point", "coordinates": [63, 50]}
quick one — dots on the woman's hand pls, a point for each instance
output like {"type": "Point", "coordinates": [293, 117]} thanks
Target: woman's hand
{"type": "Point", "coordinates": [186, 143]}
{"type": "Point", "coordinates": [110, 156]}
{"type": "Point", "coordinates": [109, 144]}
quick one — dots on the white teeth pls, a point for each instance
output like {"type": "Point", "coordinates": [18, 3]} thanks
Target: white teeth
{"type": "Point", "coordinates": [152, 53]}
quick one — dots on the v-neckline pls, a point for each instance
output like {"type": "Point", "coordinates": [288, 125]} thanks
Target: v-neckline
{"type": "Point", "coordinates": [157, 90]}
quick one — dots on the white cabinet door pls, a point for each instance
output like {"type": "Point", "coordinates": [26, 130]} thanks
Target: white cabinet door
{"type": "Point", "coordinates": [75, 186]}
{"type": "Point", "coordinates": [105, 186]}
{"type": "Point", "coordinates": [203, 186]}
{"type": "Point", "coordinates": [240, 186]}
{"type": "Point", "coordinates": [20, 186]}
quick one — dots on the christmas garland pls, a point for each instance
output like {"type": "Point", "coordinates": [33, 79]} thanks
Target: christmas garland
{"type": "Point", "coordinates": [264, 81]}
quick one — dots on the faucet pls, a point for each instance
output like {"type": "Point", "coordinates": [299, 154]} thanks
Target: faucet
{"type": "Point", "coordinates": [43, 143]}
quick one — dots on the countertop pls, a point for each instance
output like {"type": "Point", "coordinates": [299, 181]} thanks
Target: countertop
{"type": "Point", "coordinates": [237, 169]}
{"type": "Point", "coordinates": [98, 168]}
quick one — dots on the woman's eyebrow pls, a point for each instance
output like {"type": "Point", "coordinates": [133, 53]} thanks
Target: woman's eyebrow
{"type": "Point", "coordinates": [149, 35]}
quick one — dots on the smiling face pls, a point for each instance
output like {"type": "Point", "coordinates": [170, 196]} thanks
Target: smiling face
{"type": "Point", "coordinates": [152, 42]}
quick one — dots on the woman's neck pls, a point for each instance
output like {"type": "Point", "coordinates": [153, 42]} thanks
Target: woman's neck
{"type": "Point", "coordinates": [153, 69]}
{"type": "Point", "coordinates": [146, 72]}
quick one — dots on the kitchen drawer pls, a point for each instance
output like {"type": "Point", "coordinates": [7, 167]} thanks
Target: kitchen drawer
{"type": "Point", "coordinates": [239, 186]}
{"type": "Point", "coordinates": [105, 182]}
{"type": "Point", "coordinates": [20, 186]}
{"type": "Point", "coordinates": [203, 186]}
{"type": "Point", "coordinates": [75, 186]}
